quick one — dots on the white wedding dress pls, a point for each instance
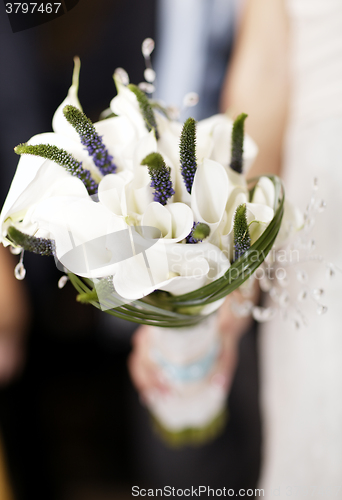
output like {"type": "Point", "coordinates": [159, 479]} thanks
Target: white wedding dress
{"type": "Point", "coordinates": [302, 368]}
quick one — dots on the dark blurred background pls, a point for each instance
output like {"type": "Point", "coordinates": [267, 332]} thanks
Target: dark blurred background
{"type": "Point", "coordinates": [63, 420]}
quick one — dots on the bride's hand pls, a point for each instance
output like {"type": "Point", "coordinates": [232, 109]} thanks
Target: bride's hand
{"type": "Point", "coordinates": [147, 376]}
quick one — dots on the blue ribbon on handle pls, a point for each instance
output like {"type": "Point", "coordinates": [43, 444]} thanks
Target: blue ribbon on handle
{"type": "Point", "coordinates": [191, 372]}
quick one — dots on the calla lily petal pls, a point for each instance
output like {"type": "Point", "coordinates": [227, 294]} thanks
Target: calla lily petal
{"type": "Point", "coordinates": [156, 215]}
{"type": "Point", "coordinates": [125, 104]}
{"type": "Point", "coordinates": [38, 189]}
{"type": "Point", "coordinates": [220, 128]}
{"type": "Point", "coordinates": [74, 147]}
{"type": "Point", "coordinates": [264, 192]}
{"type": "Point", "coordinates": [27, 169]}
{"type": "Point", "coordinates": [174, 268]}
{"type": "Point", "coordinates": [262, 214]}
{"type": "Point", "coordinates": [112, 193]}
{"type": "Point", "coordinates": [84, 234]}
{"type": "Point", "coordinates": [182, 220]}
{"type": "Point", "coordinates": [209, 193]}
{"type": "Point", "coordinates": [174, 221]}
{"type": "Point", "coordinates": [117, 133]}
{"type": "Point", "coordinates": [145, 146]}
{"type": "Point", "coordinates": [59, 123]}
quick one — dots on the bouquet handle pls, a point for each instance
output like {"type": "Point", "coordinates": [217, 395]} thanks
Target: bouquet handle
{"type": "Point", "coordinates": [194, 409]}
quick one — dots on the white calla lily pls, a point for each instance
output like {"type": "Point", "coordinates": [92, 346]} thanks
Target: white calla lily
{"type": "Point", "coordinates": [219, 129]}
{"type": "Point", "coordinates": [174, 221]}
{"type": "Point", "coordinates": [258, 218]}
{"type": "Point", "coordinates": [124, 233]}
{"type": "Point", "coordinates": [126, 104]}
{"type": "Point", "coordinates": [209, 194]}
{"type": "Point", "coordinates": [264, 192]}
{"type": "Point", "coordinates": [174, 268]}
{"type": "Point", "coordinates": [118, 136]}
{"type": "Point", "coordinates": [74, 147]}
{"type": "Point", "coordinates": [59, 124]}
{"type": "Point", "coordinates": [89, 239]}
{"type": "Point", "coordinates": [125, 194]}
{"type": "Point", "coordinates": [43, 181]}
{"type": "Point", "coordinates": [112, 192]}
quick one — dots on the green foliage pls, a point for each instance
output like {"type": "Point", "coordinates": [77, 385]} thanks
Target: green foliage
{"type": "Point", "coordinates": [242, 239]}
{"type": "Point", "coordinates": [238, 131]}
{"type": "Point", "coordinates": [154, 161]}
{"type": "Point", "coordinates": [145, 109]}
{"type": "Point", "coordinates": [187, 150]}
{"type": "Point", "coordinates": [41, 246]}
{"type": "Point", "coordinates": [62, 158]}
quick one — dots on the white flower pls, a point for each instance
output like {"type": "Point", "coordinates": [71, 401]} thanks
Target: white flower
{"type": "Point", "coordinates": [94, 239]}
{"type": "Point", "coordinates": [209, 194]}
{"type": "Point", "coordinates": [59, 123]}
{"type": "Point", "coordinates": [214, 141]}
{"type": "Point", "coordinates": [264, 192]}
{"type": "Point", "coordinates": [89, 239]}
{"type": "Point", "coordinates": [174, 268]}
{"type": "Point", "coordinates": [36, 180]}
{"type": "Point", "coordinates": [125, 234]}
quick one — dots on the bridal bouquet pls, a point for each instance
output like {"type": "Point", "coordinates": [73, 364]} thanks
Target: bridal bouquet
{"type": "Point", "coordinates": [153, 221]}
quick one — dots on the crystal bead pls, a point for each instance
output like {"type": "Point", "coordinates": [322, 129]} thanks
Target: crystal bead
{"type": "Point", "coordinates": [311, 204]}
{"type": "Point", "coordinates": [15, 250]}
{"type": "Point", "coordinates": [321, 206]}
{"type": "Point", "coordinates": [296, 324]}
{"type": "Point", "coordinates": [284, 299]}
{"type": "Point", "coordinates": [263, 314]}
{"type": "Point", "coordinates": [62, 281]}
{"type": "Point", "coordinates": [147, 87]}
{"type": "Point", "coordinates": [147, 47]}
{"type": "Point", "coordinates": [321, 310]}
{"type": "Point", "coordinates": [190, 99]}
{"type": "Point", "coordinates": [149, 75]}
{"type": "Point", "coordinates": [309, 223]}
{"type": "Point", "coordinates": [122, 76]}
{"type": "Point", "coordinates": [303, 295]}
{"type": "Point", "coordinates": [317, 293]}
{"type": "Point", "coordinates": [315, 184]}
{"type": "Point", "coordinates": [302, 276]}
{"type": "Point", "coordinates": [330, 273]}
{"type": "Point", "coordinates": [20, 271]}
{"type": "Point", "coordinates": [311, 245]}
